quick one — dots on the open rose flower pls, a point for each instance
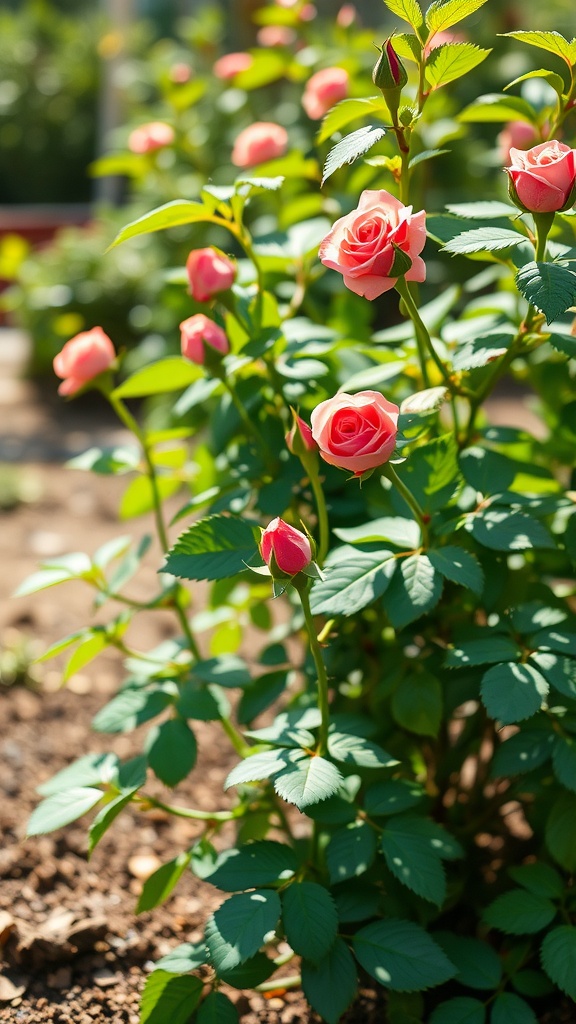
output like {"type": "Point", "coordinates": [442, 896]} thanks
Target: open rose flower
{"type": "Point", "coordinates": [361, 244]}
{"type": "Point", "coordinates": [356, 432]}
{"type": "Point", "coordinates": [261, 141]}
{"type": "Point", "coordinates": [542, 179]}
{"type": "Point", "coordinates": [82, 358]}
{"type": "Point", "coordinates": [290, 548]}
{"type": "Point", "coordinates": [209, 272]}
{"type": "Point", "coordinates": [199, 332]}
{"type": "Point", "coordinates": [323, 90]}
{"type": "Point", "coordinates": [151, 136]}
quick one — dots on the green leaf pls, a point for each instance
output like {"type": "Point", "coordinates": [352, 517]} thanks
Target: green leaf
{"type": "Point", "coordinates": [432, 473]}
{"type": "Point", "coordinates": [261, 863]}
{"type": "Point", "coordinates": [511, 1009]}
{"type": "Point", "coordinates": [350, 148]}
{"type": "Point", "coordinates": [169, 997]}
{"type": "Point", "coordinates": [461, 1010]}
{"type": "Point", "coordinates": [491, 649]}
{"type": "Point", "coordinates": [212, 549]}
{"type": "Point", "coordinates": [553, 42]}
{"type": "Point", "coordinates": [416, 588]}
{"type": "Point", "coordinates": [86, 771]}
{"type": "Point", "coordinates": [511, 692]}
{"type": "Point", "coordinates": [129, 709]}
{"type": "Point", "coordinates": [483, 240]}
{"type": "Point", "coordinates": [554, 80]}
{"type": "Point", "coordinates": [558, 956]}
{"type": "Point", "coordinates": [349, 110]}
{"type": "Point", "coordinates": [564, 761]}
{"type": "Point", "coordinates": [520, 912]}
{"type": "Point", "coordinates": [310, 919]}
{"type": "Point", "coordinates": [503, 530]}
{"type": "Point", "coordinates": [226, 670]}
{"type": "Point", "coordinates": [550, 287]}
{"type": "Point", "coordinates": [139, 496]}
{"type": "Point", "coordinates": [183, 958]}
{"type": "Point", "coordinates": [450, 61]}
{"type": "Point", "coordinates": [106, 816]}
{"type": "Point", "coordinates": [426, 154]}
{"type": "Point", "coordinates": [62, 808]}
{"type": "Point", "coordinates": [252, 972]}
{"type": "Point", "coordinates": [561, 831]}
{"type": "Point", "coordinates": [487, 471]}
{"type": "Point", "coordinates": [522, 753]}
{"type": "Point", "coordinates": [217, 1009]}
{"type": "Point", "coordinates": [484, 210]}
{"type": "Point", "coordinates": [353, 580]}
{"type": "Point", "coordinates": [401, 956]}
{"type": "Point", "coordinates": [257, 767]}
{"type": "Point", "coordinates": [180, 211]}
{"type": "Point", "coordinates": [96, 640]}
{"type": "Point", "coordinates": [330, 985]}
{"type": "Point", "coordinates": [169, 374]}
{"type": "Point", "coordinates": [478, 964]}
{"type": "Point", "coordinates": [392, 797]}
{"type": "Point", "coordinates": [417, 704]}
{"type": "Point", "coordinates": [538, 878]}
{"type": "Point", "coordinates": [261, 693]}
{"type": "Point", "coordinates": [246, 921]}
{"type": "Point", "coordinates": [443, 14]}
{"type": "Point", "coordinates": [412, 860]}
{"type": "Point", "coordinates": [498, 107]}
{"type": "Point", "coordinates": [307, 781]}
{"type": "Point", "coordinates": [351, 851]}
{"type": "Point", "coordinates": [408, 10]}
{"type": "Point", "coordinates": [459, 566]}
{"type": "Point", "coordinates": [355, 750]}
{"type": "Point", "coordinates": [160, 884]}
{"type": "Point", "coordinates": [171, 750]}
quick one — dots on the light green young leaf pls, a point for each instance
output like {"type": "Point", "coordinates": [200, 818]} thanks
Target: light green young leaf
{"type": "Point", "coordinates": [408, 10]}
{"type": "Point", "coordinates": [554, 80]}
{"type": "Point", "coordinates": [257, 767]}
{"type": "Point", "coordinates": [106, 816]}
{"type": "Point", "coordinates": [402, 956]}
{"type": "Point", "coordinates": [183, 958]}
{"type": "Point", "coordinates": [158, 886]}
{"type": "Point", "coordinates": [553, 42]}
{"type": "Point", "coordinates": [442, 14]}
{"type": "Point", "coordinates": [349, 110]}
{"type": "Point", "coordinates": [484, 210]}
{"type": "Point", "coordinates": [86, 771]}
{"type": "Point", "coordinates": [180, 211]}
{"type": "Point", "coordinates": [61, 808]}
{"type": "Point", "coordinates": [497, 107]}
{"type": "Point", "coordinates": [350, 148]}
{"type": "Point", "coordinates": [450, 61]}
{"type": "Point", "coordinates": [95, 641]}
{"type": "Point", "coordinates": [403, 533]}
{"type": "Point", "coordinates": [171, 374]}
{"type": "Point", "coordinates": [310, 920]}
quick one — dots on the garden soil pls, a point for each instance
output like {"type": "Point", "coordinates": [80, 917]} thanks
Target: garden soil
{"type": "Point", "coordinates": [72, 949]}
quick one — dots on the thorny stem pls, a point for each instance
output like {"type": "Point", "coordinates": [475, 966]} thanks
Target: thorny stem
{"type": "Point", "coordinates": [423, 339]}
{"type": "Point", "coordinates": [410, 500]}
{"type": "Point", "coordinates": [322, 677]}
{"type": "Point", "coordinates": [237, 740]}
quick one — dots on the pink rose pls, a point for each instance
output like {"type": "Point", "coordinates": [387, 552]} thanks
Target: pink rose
{"type": "Point", "coordinates": [516, 135]}
{"type": "Point", "coordinates": [149, 137]}
{"type": "Point", "coordinates": [261, 141]}
{"type": "Point", "coordinates": [323, 90]}
{"type": "Point", "coordinates": [307, 13]}
{"type": "Point", "coordinates": [290, 548]}
{"type": "Point", "coordinates": [356, 432]}
{"type": "Point", "coordinates": [441, 38]}
{"type": "Point", "coordinates": [180, 73]}
{"type": "Point", "coordinates": [361, 244]}
{"type": "Point", "coordinates": [231, 64]}
{"type": "Point", "coordinates": [299, 438]}
{"type": "Point", "coordinates": [198, 331]}
{"type": "Point", "coordinates": [275, 35]}
{"type": "Point", "coordinates": [346, 16]}
{"type": "Point", "coordinates": [542, 179]}
{"type": "Point", "coordinates": [209, 272]}
{"type": "Point", "coordinates": [82, 358]}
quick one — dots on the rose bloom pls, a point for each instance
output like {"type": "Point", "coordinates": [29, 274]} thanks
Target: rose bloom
{"type": "Point", "coordinates": [516, 135]}
{"type": "Point", "coordinates": [82, 358]}
{"type": "Point", "coordinates": [275, 35]}
{"type": "Point", "coordinates": [323, 90]}
{"type": "Point", "coordinates": [290, 547]}
{"type": "Point", "coordinates": [543, 177]}
{"type": "Point", "coordinates": [261, 141]}
{"type": "Point", "coordinates": [231, 64]}
{"type": "Point", "coordinates": [299, 437]}
{"type": "Point", "coordinates": [209, 272]}
{"type": "Point", "coordinates": [149, 137]}
{"type": "Point", "coordinates": [198, 331]}
{"type": "Point", "coordinates": [360, 245]}
{"type": "Point", "coordinates": [356, 432]}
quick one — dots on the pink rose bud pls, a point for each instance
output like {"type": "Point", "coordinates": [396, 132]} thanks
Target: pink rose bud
{"type": "Point", "coordinates": [361, 245]}
{"type": "Point", "coordinates": [275, 35]}
{"type": "Point", "coordinates": [517, 135]}
{"type": "Point", "coordinates": [196, 333]}
{"type": "Point", "coordinates": [356, 432]}
{"type": "Point", "coordinates": [149, 137]}
{"type": "Point", "coordinates": [389, 71]}
{"type": "Point", "coordinates": [289, 548]}
{"type": "Point", "coordinates": [542, 180]}
{"type": "Point", "coordinates": [346, 16]}
{"type": "Point", "coordinates": [308, 12]}
{"type": "Point", "coordinates": [82, 358]}
{"type": "Point", "coordinates": [323, 90]}
{"type": "Point", "coordinates": [231, 64]}
{"type": "Point", "coordinates": [180, 73]}
{"type": "Point", "coordinates": [258, 143]}
{"type": "Point", "coordinates": [299, 438]}
{"type": "Point", "coordinates": [209, 272]}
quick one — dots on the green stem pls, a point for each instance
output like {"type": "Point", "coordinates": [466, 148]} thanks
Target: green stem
{"type": "Point", "coordinates": [423, 339]}
{"type": "Point", "coordinates": [237, 740]}
{"type": "Point", "coordinates": [185, 812]}
{"type": "Point", "coordinates": [311, 467]}
{"type": "Point", "coordinates": [410, 500]}
{"type": "Point", "coordinates": [294, 981]}
{"type": "Point", "coordinates": [248, 424]}
{"type": "Point", "coordinates": [322, 677]}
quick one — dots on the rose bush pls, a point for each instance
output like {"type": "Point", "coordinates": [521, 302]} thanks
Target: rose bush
{"type": "Point", "coordinates": [363, 245]}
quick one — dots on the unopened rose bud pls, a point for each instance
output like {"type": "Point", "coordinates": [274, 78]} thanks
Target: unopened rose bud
{"type": "Point", "coordinates": [209, 272]}
{"type": "Point", "coordinates": [299, 438]}
{"type": "Point", "coordinates": [390, 76]}
{"type": "Point", "coordinates": [202, 339]}
{"type": "Point", "coordinates": [84, 357]}
{"type": "Point", "coordinates": [285, 549]}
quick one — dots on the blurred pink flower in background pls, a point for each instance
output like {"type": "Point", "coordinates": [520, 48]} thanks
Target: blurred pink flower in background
{"type": "Point", "coordinates": [275, 35]}
{"type": "Point", "coordinates": [198, 331]}
{"type": "Point", "coordinates": [323, 90]}
{"type": "Point", "coordinates": [83, 357]}
{"type": "Point", "coordinates": [347, 16]}
{"type": "Point", "coordinates": [209, 272]}
{"type": "Point", "coordinates": [516, 135]}
{"type": "Point", "coordinates": [261, 141]}
{"type": "Point", "coordinates": [151, 136]}
{"type": "Point", "coordinates": [231, 64]}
